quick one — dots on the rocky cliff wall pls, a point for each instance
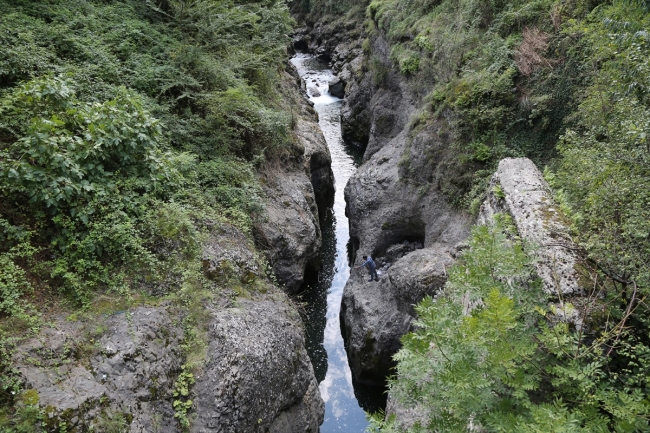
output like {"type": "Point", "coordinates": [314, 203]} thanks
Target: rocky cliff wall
{"type": "Point", "coordinates": [256, 375]}
{"type": "Point", "coordinates": [375, 315]}
{"type": "Point", "coordinates": [125, 370]}
{"type": "Point", "coordinates": [395, 196]}
{"type": "Point", "coordinates": [299, 190]}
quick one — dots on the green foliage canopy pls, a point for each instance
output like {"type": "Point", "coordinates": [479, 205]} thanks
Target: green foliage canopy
{"type": "Point", "coordinates": [65, 152]}
{"type": "Point", "coordinates": [490, 354]}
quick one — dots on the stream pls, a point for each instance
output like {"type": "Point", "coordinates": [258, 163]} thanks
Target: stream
{"type": "Point", "coordinates": [345, 399]}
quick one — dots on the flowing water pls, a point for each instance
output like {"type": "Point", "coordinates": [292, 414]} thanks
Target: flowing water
{"type": "Point", "coordinates": [345, 399]}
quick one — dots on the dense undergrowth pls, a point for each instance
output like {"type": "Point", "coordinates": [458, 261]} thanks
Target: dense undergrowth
{"type": "Point", "coordinates": [564, 83]}
{"type": "Point", "coordinates": [492, 355]}
{"type": "Point", "coordinates": [128, 130]}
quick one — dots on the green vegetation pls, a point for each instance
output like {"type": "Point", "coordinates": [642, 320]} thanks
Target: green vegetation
{"type": "Point", "coordinates": [508, 71]}
{"type": "Point", "coordinates": [564, 83]}
{"type": "Point", "coordinates": [493, 354]}
{"type": "Point", "coordinates": [128, 131]}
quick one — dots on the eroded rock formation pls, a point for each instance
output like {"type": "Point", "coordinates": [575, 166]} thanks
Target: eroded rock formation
{"type": "Point", "coordinates": [299, 191]}
{"type": "Point", "coordinates": [518, 189]}
{"type": "Point", "coordinates": [394, 196]}
{"type": "Point", "coordinates": [132, 373]}
{"type": "Point", "coordinates": [256, 375]}
{"type": "Point", "coordinates": [376, 315]}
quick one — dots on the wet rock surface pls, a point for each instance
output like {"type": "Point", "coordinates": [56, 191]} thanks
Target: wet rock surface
{"type": "Point", "coordinates": [518, 189]}
{"type": "Point", "coordinates": [376, 315]}
{"type": "Point", "coordinates": [336, 87]}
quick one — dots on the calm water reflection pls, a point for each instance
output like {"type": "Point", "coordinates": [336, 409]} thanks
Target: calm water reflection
{"type": "Point", "coordinates": [345, 399]}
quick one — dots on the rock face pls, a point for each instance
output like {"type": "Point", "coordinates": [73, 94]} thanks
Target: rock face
{"type": "Point", "coordinates": [376, 315]}
{"type": "Point", "coordinates": [298, 193]}
{"type": "Point", "coordinates": [395, 196]}
{"type": "Point", "coordinates": [258, 376]}
{"type": "Point", "coordinates": [227, 257]}
{"type": "Point", "coordinates": [518, 188]}
{"type": "Point", "coordinates": [131, 374]}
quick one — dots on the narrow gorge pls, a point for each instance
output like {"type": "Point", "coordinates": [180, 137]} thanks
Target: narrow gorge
{"type": "Point", "coordinates": [187, 187]}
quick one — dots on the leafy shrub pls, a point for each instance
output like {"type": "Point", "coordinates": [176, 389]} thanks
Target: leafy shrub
{"type": "Point", "coordinates": [604, 174]}
{"type": "Point", "coordinates": [490, 353]}
{"type": "Point", "coordinates": [13, 286]}
{"type": "Point", "coordinates": [70, 152]}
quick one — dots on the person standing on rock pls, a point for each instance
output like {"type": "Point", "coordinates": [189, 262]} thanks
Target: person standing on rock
{"type": "Point", "coordinates": [372, 268]}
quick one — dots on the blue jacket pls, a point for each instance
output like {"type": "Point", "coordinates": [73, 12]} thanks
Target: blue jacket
{"type": "Point", "coordinates": [370, 264]}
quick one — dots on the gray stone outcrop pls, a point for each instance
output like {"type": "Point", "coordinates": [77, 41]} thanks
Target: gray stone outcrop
{"type": "Point", "coordinates": [518, 189]}
{"type": "Point", "coordinates": [336, 87]}
{"type": "Point", "coordinates": [129, 371]}
{"type": "Point", "coordinates": [376, 315]}
{"type": "Point", "coordinates": [258, 376]}
{"type": "Point", "coordinates": [396, 195]}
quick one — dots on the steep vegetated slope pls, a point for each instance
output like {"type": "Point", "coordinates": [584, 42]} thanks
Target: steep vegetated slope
{"type": "Point", "coordinates": [565, 84]}
{"type": "Point", "coordinates": [145, 149]}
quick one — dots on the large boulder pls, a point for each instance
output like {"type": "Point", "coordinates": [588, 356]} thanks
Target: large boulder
{"type": "Point", "coordinates": [290, 231]}
{"type": "Point", "coordinates": [518, 189]}
{"type": "Point", "coordinates": [385, 207]}
{"type": "Point", "coordinates": [336, 87]}
{"type": "Point", "coordinates": [258, 376]}
{"type": "Point", "coordinates": [375, 315]}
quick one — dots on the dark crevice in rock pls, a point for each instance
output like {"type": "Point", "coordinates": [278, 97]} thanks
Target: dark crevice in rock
{"type": "Point", "coordinates": [300, 45]}
{"type": "Point", "coordinates": [312, 273]}
{"type": "Point", "coordinates": [352, 247]}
